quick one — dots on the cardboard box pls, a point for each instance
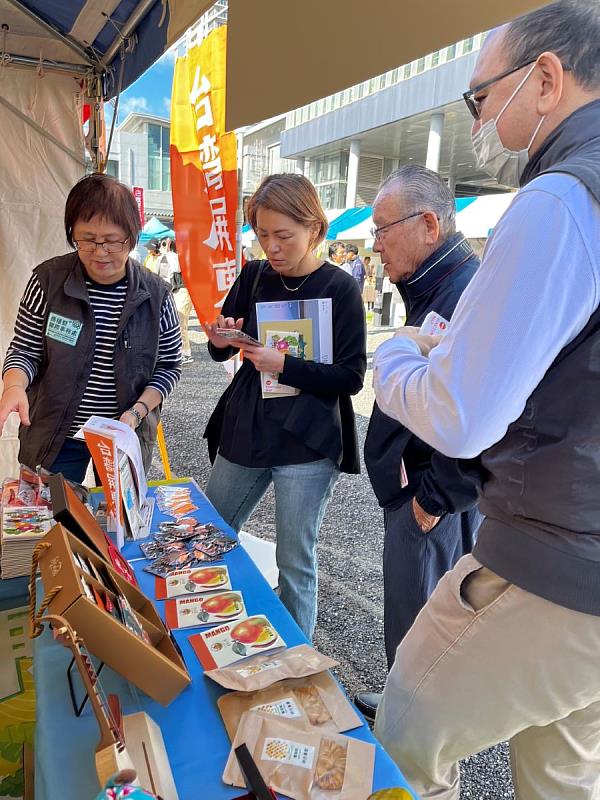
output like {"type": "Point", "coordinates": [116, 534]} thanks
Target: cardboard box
{"type": "Point", "coordinates": [146, 749]}
{"type": "Point", "coordinates": [156, 667]}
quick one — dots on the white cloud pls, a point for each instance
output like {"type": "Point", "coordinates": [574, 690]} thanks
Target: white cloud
{"type": "Point", "coordinates": [169, 57]}
{"type": "Point", "coordinates": [167, 105]}
{"type": "Point", "coordinates": [128, 105]}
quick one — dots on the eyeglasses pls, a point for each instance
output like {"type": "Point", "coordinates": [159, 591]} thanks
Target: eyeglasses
{"type": "Point", "coordinates": [376, 232]}
{"type": "Point", "coordinates": [468, 97]}
{"type": "Point", "coordinates": [474, 105]}
{"type": "Point", "coordinates": [87, 246]}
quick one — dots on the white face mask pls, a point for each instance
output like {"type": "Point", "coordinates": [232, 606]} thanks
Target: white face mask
{"type": "Point", "coordinates": [492, 156]}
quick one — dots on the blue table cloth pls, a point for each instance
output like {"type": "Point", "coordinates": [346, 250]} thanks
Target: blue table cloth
{"type": "Point", "coordinates": [192, 728]}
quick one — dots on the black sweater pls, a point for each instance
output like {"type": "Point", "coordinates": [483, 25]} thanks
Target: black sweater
{"type": "Point", "coordinates": [319, 422]}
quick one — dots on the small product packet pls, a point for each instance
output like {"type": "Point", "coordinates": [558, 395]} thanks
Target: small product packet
{"type": "Point", "coordinates": [312, 702]}
{"type": "Point", "coordinates": [261, 671]}
{"type": "Point", "coordinates": [303, 765]}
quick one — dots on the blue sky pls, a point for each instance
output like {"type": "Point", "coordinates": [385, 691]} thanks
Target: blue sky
{"type": "Point", "coordinates": [151, 93]}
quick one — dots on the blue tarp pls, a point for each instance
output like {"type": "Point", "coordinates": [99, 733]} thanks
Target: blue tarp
{"type": "Point", "coordinates": [348, 219]}
{"type": "Point", "coordinates": [151, 40]}
{"type": "Point", "coordinates": [155, 229]}
{"type": "Point", "coordinates": [462, 202]}
{"type": "Point", "coordinates": [354, 216]}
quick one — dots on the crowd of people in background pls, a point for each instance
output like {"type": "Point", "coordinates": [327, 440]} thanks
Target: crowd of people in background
{"type": "Point", "coordinates": [347, 257]}
{"type": "Point", "coordinates": [162, 260]}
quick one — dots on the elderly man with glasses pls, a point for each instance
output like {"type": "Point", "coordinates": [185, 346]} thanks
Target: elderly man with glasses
{"type": "Point", "coordinates": [507, 646]}
{"type": "Point", "coordinates": [430, 513]}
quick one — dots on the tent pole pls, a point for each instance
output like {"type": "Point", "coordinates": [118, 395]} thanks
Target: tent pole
{"type": "Point", "coordinates": [239, 215]}
{"type": "Point", "coordinates": [62, 66]}
{"type": "Point", "coordinates": [94, 94]}
{"type": "Point", "coordinates": [66, 40]}
{"type": "Point", "coordinates": [126, 30]}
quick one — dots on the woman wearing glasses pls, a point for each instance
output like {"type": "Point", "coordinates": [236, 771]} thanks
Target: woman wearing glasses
{"type": "Point", "coordinates": [95, 334]}
{"type": "Point", "coordinates": [299, 443]}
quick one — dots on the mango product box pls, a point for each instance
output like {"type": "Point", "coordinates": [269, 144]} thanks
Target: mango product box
{"type": "Point", "coordinates": [192, 581]}
{"type": "Point", "coordinates": [189, 612]}
{"type": "Point", "coordinates": [229, 643]}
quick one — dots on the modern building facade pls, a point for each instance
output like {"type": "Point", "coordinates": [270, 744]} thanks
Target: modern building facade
{"type": "Point", "coordinates": [349, 142]}
{"type": "Point", "coordinates": [140, 157]}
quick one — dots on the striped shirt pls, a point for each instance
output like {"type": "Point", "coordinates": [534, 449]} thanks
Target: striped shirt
{"type": "Point", "coordinates": [107, 302]}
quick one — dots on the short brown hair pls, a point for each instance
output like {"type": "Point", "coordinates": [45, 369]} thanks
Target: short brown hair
{"type": "Point", "coordinates": [292, 195]}
{"type": "Point", "coordinates": [104, 196]}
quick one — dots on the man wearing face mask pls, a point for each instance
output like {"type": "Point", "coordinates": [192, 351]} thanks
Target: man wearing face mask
{"type": "Point", "coordinates": [507, 646]}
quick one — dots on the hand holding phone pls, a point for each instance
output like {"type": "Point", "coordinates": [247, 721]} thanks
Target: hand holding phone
{"type": "Point", "coordinates": [233, 335]}
{"type": "Point", "coordinates": [228, 324]}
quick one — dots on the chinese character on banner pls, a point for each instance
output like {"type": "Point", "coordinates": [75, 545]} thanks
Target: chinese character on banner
{"type": "Point", "coordinates": [204, 175]}
{"type": "Point", "coordinates": [138, 193]}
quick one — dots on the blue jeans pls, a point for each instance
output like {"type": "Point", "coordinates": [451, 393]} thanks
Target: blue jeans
{"type": "Point", "coordinates": [72, 460]}
{"type": "Point", "coordinates": [302, 492]}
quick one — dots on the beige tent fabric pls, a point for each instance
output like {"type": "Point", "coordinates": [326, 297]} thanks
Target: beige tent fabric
{"type": "Point", "coordinates": [183, 14]}
{"type": "Point", "coordinates": [36, 178]}
{"type": "Point", "coordinates": [278, 60]}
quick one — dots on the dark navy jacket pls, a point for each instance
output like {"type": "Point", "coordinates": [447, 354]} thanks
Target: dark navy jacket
{"type": "Point", "coordinates": [435, 480]}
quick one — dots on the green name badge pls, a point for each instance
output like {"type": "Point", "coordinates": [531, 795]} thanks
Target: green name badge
{"type": "Point", "coordinates": [63, 329]}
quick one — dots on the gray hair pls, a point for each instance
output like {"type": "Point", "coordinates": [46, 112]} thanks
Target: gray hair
{"type": "Point", "coordinates": [422, 189]}
{"type": "Point", "coordinates": [568, 28]}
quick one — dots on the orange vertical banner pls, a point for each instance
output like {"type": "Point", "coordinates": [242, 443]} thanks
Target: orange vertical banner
{"type": "Point", "coordinates": [204, 175]}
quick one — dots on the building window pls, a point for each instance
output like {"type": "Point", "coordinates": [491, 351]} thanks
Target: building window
{"type": "Point", "coordinates": [166, 160]}
{"type": "Point", "coordinates": [407, 71]}
{"type": "Point", "coordinates": [451, 52]}
{"type": "Point", "coordinates": [273, 159]}
{"type": "Point", "coordinates": [159, 165]}
{"type": "Point", "coordinates": [467, 45]}
{"type": "Point", "coordinates": [112, 168]}
{"type": "Point", "coordinates": [420, 65]}
{"type": "Point", "coordinates": [332, 195]}
{"type": "Point", "coordinates": [435, 58]}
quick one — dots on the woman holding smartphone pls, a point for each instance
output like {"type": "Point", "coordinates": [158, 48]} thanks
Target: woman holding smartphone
{"type": "Point", "coordinates": [299, 443]}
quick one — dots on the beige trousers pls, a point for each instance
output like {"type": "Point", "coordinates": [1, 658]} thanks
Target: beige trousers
{"type": "Point", "coordinates": [183, 302]}
{"type": "Point", "coordinates": [487, 661]}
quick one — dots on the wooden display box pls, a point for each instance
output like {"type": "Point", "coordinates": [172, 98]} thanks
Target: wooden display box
{"type": "Point", "coordinates": [157, 668]}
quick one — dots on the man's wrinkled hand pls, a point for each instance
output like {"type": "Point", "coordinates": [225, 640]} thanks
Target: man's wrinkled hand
{"type": "Point", "coordinates": [425, 521]}
{"type": "Point", "coordinates": [424, 343]}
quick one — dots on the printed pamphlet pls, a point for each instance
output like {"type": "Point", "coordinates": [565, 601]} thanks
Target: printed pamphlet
{"type": "Point", "coordinates": [233, 642]}
{"type": "Point", "coordinates": [189, 612]}
{"type": "Point", "coordinates": [192, 581]}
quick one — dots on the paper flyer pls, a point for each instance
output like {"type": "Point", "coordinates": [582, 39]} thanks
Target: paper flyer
{"type": "Point", "coordinates": [287, 342]}
{"type": "Point", "coordinates": [192, 581]}
{"type": "Point", "coordinates": [131, 503]}
{"type": "Point", "coordinates": [189, 612]}
{"type": "Point", "coordinates": [294, 314]}
{"type": "Point", "coordinates": [127, 441]}
{"type": "Point", "coordinates": [103, 450]}
{"type": "Point", "coordinates": [233, 642]}
{"type": "Point", "coordinates": [26, 523]}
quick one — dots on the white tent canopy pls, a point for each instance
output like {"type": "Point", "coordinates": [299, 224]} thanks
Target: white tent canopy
{"type": "Point", "coordinates": [475, 221]}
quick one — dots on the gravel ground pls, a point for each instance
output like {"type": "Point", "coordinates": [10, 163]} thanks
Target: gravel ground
{"type": "Point", "coordinates": [350, 623]}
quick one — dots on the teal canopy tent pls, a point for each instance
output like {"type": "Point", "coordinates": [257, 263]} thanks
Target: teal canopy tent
{"type": "Point", "coordinates": [155, 229]}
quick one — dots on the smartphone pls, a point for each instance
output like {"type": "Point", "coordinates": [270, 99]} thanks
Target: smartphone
{"type": "Point", "coordinates": [239, 336]}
